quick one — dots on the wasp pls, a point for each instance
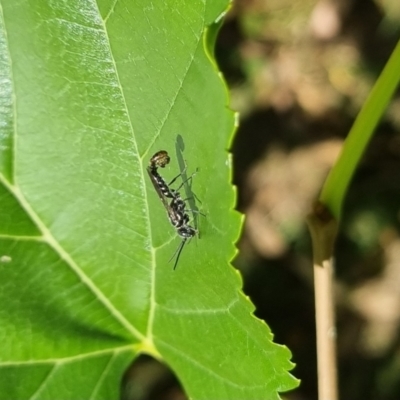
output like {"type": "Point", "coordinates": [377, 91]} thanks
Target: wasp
{"type": "Point", "coordinates": [172, 201]}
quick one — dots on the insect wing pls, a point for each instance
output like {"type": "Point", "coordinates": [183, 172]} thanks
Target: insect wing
{"type": "Point", "coordinates": [174, 217]}
{"type": "Point", "coordinates": [158, 190]}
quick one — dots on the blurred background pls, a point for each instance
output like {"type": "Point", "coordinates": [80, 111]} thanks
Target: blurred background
{"type": "Point", "coordinates": [299, 72]}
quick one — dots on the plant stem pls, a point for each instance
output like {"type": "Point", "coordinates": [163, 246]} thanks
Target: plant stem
{"type": "Point", "coordinates": [323, 230]}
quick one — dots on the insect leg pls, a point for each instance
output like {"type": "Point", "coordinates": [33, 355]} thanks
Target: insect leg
{"type": "Point", "coordinates": [178, 252]}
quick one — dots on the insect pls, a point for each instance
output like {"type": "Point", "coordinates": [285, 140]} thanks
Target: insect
{"type": "Point", "coordinates": [176, 208]}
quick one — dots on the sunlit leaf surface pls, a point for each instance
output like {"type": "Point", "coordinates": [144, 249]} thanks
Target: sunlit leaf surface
{"type": "Point", "coordinates": [88, 92]}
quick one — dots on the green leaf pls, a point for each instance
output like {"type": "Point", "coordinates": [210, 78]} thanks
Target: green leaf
{"type": "Point", "coordinates": [89, 91]}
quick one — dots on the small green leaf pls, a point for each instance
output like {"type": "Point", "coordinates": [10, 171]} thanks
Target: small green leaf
{"type": "Point", "coordinates": [91, 91]}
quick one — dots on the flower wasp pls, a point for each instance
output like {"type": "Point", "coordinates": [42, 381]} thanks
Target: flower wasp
{"type": "Point", "coordinates": [172, 201]}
